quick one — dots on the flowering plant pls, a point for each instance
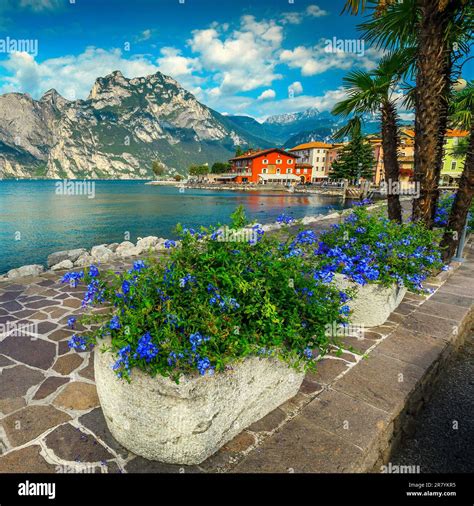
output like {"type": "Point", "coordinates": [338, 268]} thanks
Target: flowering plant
{"type": "Point", "coordinates": [211, 302]}
{"type": "Point", "coordinates": [445, 203]}
{"type": "Point", "coordinates": [368, 248]}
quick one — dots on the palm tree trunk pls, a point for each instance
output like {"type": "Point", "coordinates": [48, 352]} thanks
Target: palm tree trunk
{"type": "Point", "coordinates": [390, 143]}
{"type": "Point", "coordinates": [443, 126]}
{"type": "Point", "coordinates": [429, 94]}
{"type": "Point", "coordinates": [461, 204]}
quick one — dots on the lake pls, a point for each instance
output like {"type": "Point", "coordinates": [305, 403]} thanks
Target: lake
{"type": "Point", "coordinates": [36, 221]}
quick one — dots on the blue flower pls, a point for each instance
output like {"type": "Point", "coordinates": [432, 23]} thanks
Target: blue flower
{"type": "Point", "coordinates": [138, 265]}
{"type": "Point", "coordinates": [93, 271]}
{"type": "Point", "coordinates": [170, 244]}
{"type": "Point", "coordinates": [72, 278]}
{"type": "Point", "coordinates": [125, 287]}
{"type": "Point", "coordinates": [79, 343]}
{"type": "Point", "coordinates": [115, 323]}
{"type": "Point", "coordinates": [204, 365]}
{"type": "Point", "coordinates": [71, 321]}
{"type": "Point", "coordinates": [146, 349]}
{"type": "Point", "coordinates": [308, 353]}
{"type": "Point", "coordinates": [123, 362]}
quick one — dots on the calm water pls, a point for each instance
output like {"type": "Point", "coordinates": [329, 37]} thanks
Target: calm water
{"type": "Point", "coordinates": [35, 221]}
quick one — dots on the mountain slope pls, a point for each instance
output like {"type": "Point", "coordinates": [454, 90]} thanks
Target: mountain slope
{"type": "Point", "coordinates": [117, 132]}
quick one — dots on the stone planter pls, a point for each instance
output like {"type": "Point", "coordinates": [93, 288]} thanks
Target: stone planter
{"type": "Point", "coordinates": [373, 303]}
{"type": "Point", "coordinates": [186, 423]}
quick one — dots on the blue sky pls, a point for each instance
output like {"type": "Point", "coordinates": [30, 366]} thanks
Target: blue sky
{"type": "Point", "coordinates": [238, 56]}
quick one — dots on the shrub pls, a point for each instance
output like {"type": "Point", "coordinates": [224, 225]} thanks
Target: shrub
{"type": "Point", "coordinates": [368, 248]}
{"type": "Point", "coordinates": [443, 209]}
{"type": "Point", "coordinates": [212, 302]}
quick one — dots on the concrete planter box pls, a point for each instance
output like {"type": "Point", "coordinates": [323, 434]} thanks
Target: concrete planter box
{"type": "Point", "coordinates": [373, 303]}
{"type": "Point", "coordinates": [187, 423]}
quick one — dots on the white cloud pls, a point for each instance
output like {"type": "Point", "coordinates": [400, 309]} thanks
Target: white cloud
{"type": "Point", "coordinates": [172, 63]}
{"type": "Point", "coordinates": [267, 94]}
{"type": "Point", "coordinates": [295, 18]}
{"type": "Point", "coordinates": [145, 35]}
{"type": "Point", "coordinates": [71, 76]}
{"type": "Point", "coordinates": [316, 60]}
{"type": "Point", "coordinates": [242, 59]}
{"type": "Point", "coordinates": [315, 11]}
{"type": "Point", "coordinates": [295, 88]}
{"type": "Point", "coordinates": [42, 5]}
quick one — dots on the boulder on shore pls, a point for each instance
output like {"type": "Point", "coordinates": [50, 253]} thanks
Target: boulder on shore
{"type": "Point", "coordinates": [25, 270]}
{"type": "Point", "coordinates": [60, 256]}
{"type": "Point", "coordinates": [65, 264]}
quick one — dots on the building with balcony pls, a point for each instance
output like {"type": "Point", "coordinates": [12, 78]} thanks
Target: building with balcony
{"type": "Point", "coordinates": [267, 166]}
{"type": "Point", "coordinates": [314, 155]}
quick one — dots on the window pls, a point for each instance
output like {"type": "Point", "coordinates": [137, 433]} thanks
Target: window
{"type": "Point", "coordinates": [278, 170]}
{"type": "Point", "coordinates": [278, 160]}
{"type": "Point", "coordinates": [264, 171]}
{"type": "Point", "coordinates": [265, 161]}
{"type": "Point", "coordinates": [298, 171]}
{"type": "Point", "coordinates": [317, 158]}
{"type": "Point", "coordinates": [305, 171]}
{"type": "Point", "coordinates": [288, 171]}
{"type": "Point", "coordinates": [290, 161]}
{"type": "Point", "coordinates": [453, 165]}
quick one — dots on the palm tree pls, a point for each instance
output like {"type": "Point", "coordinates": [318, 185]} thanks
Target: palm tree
{"type": "Point", "coordinates": [373, 92]}
{"type": "Point", "coordinates": [462, 111]}
{"type": "Point", "coordinates": [433, 26]}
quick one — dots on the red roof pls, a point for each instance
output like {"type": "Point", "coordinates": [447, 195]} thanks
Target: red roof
{"type": "Point", "coordinates": [256, 154]}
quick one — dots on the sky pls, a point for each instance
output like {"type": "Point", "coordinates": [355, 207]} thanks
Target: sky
{"type": "Point", "coordinates": [249, 57]}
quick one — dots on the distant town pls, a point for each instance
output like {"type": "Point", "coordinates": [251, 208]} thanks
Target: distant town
{"type": "Point", "coordinates": [315, 163]}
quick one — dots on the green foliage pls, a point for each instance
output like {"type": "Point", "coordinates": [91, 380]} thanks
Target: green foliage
{"type": "Point", "coordinates": [357, 151]}
{"type": "Point", "coordinates": [158, 168]}
{"type": "Point", "coordinates": [198, 170]}
{"type": "Point", "coordinates": [213, 302]}
{"type": "Point", "coordinates": [369, 248]}
{"type": "Point", "coordinates": [239, 151]}
{"type": "Point", "coordinates": [220, 168]}
{"type": "Point", "coordinates": [239, 218]}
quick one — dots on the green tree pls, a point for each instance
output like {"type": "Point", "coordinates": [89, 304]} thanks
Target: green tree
{"type": "Point", "coordinates": [372, 92]}
{"type": "Point", "coordinates": [198, 170]}
{"type": "Point", "coordinates": [158, 168]}
{"type": "Point", "coordinates": [220, 168]}
{"type": "Point", "coordinates": [356, 160]}
{"type": "Point", "coordinates": [239, 151]}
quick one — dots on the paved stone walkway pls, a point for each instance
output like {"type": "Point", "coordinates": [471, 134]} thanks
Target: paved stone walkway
{"type": "Point", "coordinates": [50, 419]}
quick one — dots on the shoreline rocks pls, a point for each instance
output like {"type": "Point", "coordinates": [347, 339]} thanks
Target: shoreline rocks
{"type": "Point", "coordinates": [105, 253]}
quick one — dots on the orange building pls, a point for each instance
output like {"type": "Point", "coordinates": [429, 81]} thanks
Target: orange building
{"type": "Point", "coordinates": [268, 166]}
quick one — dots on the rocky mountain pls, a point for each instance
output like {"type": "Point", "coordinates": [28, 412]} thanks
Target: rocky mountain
{"type": "Point", "coordinates": [117, 132]}
{"type": "Point", "coordinates": [282, 128]}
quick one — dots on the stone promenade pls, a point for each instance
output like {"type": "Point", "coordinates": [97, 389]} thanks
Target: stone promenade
{"type": "Point", "coordinates": [345, 417]}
